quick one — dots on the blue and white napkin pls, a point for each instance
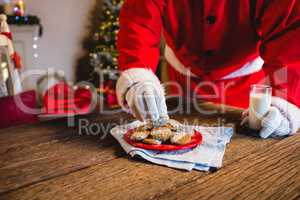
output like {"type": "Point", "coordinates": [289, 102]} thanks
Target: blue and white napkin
{"type": "Point", "coordinates": [208, 155]}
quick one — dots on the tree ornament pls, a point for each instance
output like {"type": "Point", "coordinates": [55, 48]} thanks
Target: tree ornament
{"type": "Point", "coordinates": [103, 51]}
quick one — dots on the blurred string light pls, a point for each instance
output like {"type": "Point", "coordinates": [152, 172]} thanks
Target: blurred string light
{"type": "Point", "coordinates": [35, 47]}
{"type": "Point", "coordinates": [16, 16]}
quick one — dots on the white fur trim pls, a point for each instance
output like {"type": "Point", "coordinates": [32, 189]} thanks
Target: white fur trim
{"type": "Point", "coordinates": [176, 64]}
{"type": "Point", "coordinates": [247, 69]}
{"type": "Point", "coordinates": [131, 77]}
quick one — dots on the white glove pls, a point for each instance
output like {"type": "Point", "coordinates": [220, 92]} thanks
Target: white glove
{"type": "Point", "coordinates": [283, 119]}
{"type": "Point", "coordinates": [139, 92]}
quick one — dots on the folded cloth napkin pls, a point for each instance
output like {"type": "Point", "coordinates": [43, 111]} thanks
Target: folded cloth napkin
{"type": "Point", "coordinates": [207, 156]}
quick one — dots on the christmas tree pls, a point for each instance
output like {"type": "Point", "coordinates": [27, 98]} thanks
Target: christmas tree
{"type": "Point", "coordinates": [100, 66]}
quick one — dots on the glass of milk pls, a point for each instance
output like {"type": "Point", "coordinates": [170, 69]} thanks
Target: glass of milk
{"type": "Point", "coordinates": [260, 103]}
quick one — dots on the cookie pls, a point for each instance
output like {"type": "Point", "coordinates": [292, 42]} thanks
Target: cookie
{"type": "Point", "coordinates": [161, 133]}
{"type": "Point", "coordinates": [173, 125]}
{"type": "Point", "coordinates": [145, 127]}
{"type": "Point", "coordinates": [181, 139]}
{"type": "Point", "coordinates": [138, 135]}
{"type": "Point", "coordinates": [152, 141]}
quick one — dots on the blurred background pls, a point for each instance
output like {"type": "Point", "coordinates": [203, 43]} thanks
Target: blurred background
{"type": "Point", "coordinates": [74, 37]}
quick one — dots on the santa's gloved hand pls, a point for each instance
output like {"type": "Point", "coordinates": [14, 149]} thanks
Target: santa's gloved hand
{"type": "Point", "coordinates": [283, 119]}
{"type": "Point", "coordinates": [139, 92]}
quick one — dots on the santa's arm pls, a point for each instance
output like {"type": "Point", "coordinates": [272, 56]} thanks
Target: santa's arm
{"type": "Point", "coordinates": [139, 51]}
{"type": "Point", "coordinates": [140, 33]}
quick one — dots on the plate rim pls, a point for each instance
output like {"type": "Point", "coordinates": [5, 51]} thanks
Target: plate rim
{"type": "Point", "coordinates": [163, 147]}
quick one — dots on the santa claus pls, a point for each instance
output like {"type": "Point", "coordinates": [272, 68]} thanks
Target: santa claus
{"type": "Point", "coordinates": [219, 48]}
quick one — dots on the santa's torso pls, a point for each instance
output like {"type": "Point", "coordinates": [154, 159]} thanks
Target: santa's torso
{"type": "Point", "coordinates": [225, 42]}
{"type": "Point", "coordinates": [212, 38]}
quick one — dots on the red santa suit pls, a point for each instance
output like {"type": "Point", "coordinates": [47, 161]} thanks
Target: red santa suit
{"type": "Point", "coordinates": [230, 43]}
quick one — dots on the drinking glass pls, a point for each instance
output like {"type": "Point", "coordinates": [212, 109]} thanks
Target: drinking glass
{"type": "Point", "coordinates": [260, 103]}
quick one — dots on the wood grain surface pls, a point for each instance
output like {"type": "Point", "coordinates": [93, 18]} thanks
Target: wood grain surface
{"type": "Point", "coordinates": [52, 161]}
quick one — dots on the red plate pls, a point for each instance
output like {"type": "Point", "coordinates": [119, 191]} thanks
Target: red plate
{"type": "Point", "coordinates": [196, 140]}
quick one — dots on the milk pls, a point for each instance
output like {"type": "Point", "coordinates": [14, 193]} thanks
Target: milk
{"type": "Point", "coordinates": [260, 104]}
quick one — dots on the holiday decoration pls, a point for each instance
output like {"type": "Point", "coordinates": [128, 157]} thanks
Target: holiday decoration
{"type": "Point", "coordinates": [64, 100]}
{"type": "Point", "coordinates": [8, 7]}
{"type": "Point", "coordinates": [19, 8]}
{"type": "Point", "coordinates": [25, 20]}
{"type": "Point", "coordinates": [61, 99]}
{"type": "Point", "coordinates": [15, 11]}
{"type": "Point", "coordinates": [10, 84]}
{"type": "Point", "coordinates": [45, 82]}
{"type": "Point", "coordinates": [6, 38]}
{"type": "Point", "coordinates": [102, 63]}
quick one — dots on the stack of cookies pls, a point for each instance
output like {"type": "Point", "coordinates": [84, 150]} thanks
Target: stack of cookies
{"type": "Point", "coordinates": [170, 133]}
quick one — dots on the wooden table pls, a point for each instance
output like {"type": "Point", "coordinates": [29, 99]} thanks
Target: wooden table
{"type": "Point", "coordinates": [52, 161]}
